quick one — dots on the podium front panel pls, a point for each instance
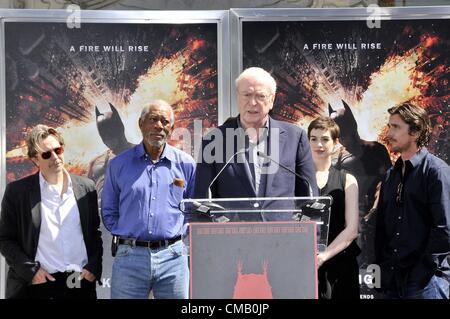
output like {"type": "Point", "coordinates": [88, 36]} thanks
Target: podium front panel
{"type": "Point", "coordinates": [252, 260]}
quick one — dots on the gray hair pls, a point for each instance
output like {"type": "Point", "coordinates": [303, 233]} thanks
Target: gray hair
{"type": "Point", "coordinates": [37, 134]}
{"type": "Point", "coordinates": [154, 103]}
{"type": "Point", "coordinates": [261, 73]}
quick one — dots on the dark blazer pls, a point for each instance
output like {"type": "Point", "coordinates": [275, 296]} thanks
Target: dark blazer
{"type": "Point", "coordinates": [236, 181]}
{"type": "Point", "coordinates": [20, 227]}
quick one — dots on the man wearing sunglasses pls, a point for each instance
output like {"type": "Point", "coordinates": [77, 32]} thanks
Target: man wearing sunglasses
{"type": "Point", "coordinates": [49, 227]}
{"type": "Point", "coordinates": [412, 243]}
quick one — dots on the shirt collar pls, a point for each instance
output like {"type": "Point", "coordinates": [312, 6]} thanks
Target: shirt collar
{"type": "Point", "coordinates": [413, 161]}
{"type": "Point", "coordinates": [419, 156]}
{"type": "Point", "coordinates": [264, 135]}
{"type": "Point", "coordinates": [168, 152]}
{"type": "Point", "coordinates": [44, 184]}
{"type": "Point", "coordinates": [240, 126]}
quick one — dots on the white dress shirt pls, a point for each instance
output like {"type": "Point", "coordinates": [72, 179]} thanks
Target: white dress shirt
{"type": "Point", "coordinates": [61, 245]}
{"type": "Point", "coordinates": [258, 161]}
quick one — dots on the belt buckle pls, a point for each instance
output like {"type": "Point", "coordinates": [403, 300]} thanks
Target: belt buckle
{"type": "Point", "coordinates": [166, 243]}
{"type": "Point", "coordinates": [153, 244]}
{"type": "Point", "coordinates": [133, 243]}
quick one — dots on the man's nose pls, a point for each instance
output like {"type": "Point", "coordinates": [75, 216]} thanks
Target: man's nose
{"type": "Point", "coordinates": [158, 124]}
{"type": "Point", "coordinates": [253, 100]}
{"type": "Point", "coordinates": [54, 155]}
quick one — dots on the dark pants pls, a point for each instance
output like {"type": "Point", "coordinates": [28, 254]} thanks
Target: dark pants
{"type": "Point", "coordinates": [66, 286]}
{"type": "Point", "coordinates": [339, 279]}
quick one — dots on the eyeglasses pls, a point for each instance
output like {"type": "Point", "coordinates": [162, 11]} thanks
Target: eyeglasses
{"type": "Point", "coordinates": [399, 197]}
{"type": "Point", "coordinates": [48, 154]}
{"type": "Point", "coordinates": [260, 97]}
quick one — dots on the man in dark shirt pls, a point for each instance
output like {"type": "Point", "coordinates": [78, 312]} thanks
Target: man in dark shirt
{"type": "Point", "coordinates": [413, 220]}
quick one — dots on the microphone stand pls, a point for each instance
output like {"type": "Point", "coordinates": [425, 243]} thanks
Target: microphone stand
{"type": "Point", "coordinates": [311, 194]}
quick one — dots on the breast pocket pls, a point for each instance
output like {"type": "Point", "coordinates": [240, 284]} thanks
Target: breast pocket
{"type": "Point", "coordinates": [175, 195]}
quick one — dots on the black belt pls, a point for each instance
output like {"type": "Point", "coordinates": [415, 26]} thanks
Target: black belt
{"type": "Point", "coordinates": [149, 244]}
{"type": "Point", "coordinates": [64, 274]}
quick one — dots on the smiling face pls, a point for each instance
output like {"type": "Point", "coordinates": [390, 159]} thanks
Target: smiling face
{"type": "Point", "coordinates": [255, 100]}
{"type": "Point", "coordinates": [322, 143]}
{"type": "Point", "coordinates": [156, 126]}
{"type": "Point", "coordinates": [55, 163]}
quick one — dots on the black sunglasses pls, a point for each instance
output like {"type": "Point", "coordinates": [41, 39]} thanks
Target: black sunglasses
{"type": "Point", "coordinates": [48, 154]}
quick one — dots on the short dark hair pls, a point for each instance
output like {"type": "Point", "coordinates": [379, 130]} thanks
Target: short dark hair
{"type": "Point", "coordinates": [325, 123]}
{"type": "Point", "coordinates": [417, 119]}
{"type": "Point", "coordinates": [37, 134]}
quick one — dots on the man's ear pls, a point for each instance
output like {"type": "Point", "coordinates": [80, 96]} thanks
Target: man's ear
{"type": "Point", "coordinates": [415, 134]}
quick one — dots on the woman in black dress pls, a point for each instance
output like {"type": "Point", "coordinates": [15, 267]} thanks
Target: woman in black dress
{"type": "Point", "coordinates": [338, 267]}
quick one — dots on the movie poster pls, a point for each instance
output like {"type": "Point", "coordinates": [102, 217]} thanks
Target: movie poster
{"type": "Point", "coordinates": [354, 73]}
{"type": "Point", "coordinates": [91, 84]}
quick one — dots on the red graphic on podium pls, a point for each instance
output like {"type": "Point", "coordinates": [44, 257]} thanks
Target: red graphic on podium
{"type": "Point", "coordinates": [252, 286]}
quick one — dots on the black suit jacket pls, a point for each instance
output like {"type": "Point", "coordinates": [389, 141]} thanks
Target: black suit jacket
{"type": "Point", "coordinates": [20, 227]}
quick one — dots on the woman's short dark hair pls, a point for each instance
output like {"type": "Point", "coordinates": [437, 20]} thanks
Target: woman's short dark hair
{"type": "Point", "coordinates": [325, 123]}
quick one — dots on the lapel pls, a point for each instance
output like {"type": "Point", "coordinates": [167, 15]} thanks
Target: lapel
{"type": "Point", "coordinates": [241, 168]}
{"type": "Point", "coordinates": [35, 204]}
{"type": "Point", "coordinates": [79, 192]}
{"type": "Point", "coordinates": [274, 139]}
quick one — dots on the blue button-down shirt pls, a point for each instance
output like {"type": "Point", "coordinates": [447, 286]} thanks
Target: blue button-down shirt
{"type": "Point", "coordinates": [140, 199]}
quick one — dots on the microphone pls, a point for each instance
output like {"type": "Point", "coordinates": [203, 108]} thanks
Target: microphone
{"type": "Point", "coordinates": [205, 207]}
{"type": "Point", "coordinates": [313, 206]}
{"type": "Point", "coordinates": [311, 194]}
{"type": "Point", "coordinates": [222, 169]}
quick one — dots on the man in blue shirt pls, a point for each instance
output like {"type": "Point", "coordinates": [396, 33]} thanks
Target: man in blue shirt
{"type": "Point", "coordinates": [412, 242]}
{"type": "Point", "coordinates": [143, 188]}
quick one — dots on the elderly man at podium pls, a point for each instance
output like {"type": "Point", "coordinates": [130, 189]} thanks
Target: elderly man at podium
{"type": "Point", "coordinates": [238, 158]}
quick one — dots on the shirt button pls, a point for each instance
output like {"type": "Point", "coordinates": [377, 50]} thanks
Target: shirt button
{"type": "Point", "coordinates": [150, 232]}
{"type": "Point", "coordinates": [392, 267]}
{"type": "Point", "coordinates": [151, 215]}
{"type": "Point", "coordinates": [398, 234]}
{"type": "Point", "coordinates": [153, 198]}
{"type": "Point", "coordinates": [395, 250]}
{"type": "Point", "coordinates": [399, 217]}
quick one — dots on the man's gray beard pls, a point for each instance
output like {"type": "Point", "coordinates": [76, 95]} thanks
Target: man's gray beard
{"type": "Point", "coordinates": [159, 143]}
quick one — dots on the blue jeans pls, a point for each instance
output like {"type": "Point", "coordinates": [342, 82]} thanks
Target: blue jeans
{"type": "Point", "coordinates": [437, 288]}
{"type": "Point", "coordinates": [138, 270]}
